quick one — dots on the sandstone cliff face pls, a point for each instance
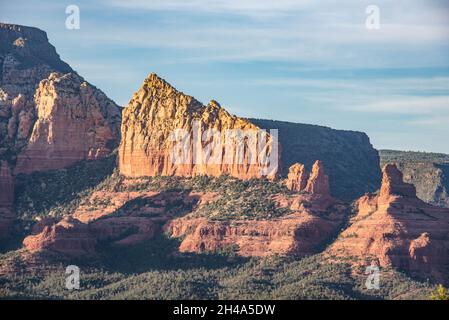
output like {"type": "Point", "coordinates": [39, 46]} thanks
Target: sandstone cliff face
{"type": "Point", "coordinates": [26, 57]}
{"type": "Point", "coordinates": [397, 229]}
{"type": "Point", "coordinates": [158, 115]}
{"type": "Point", "coordinates": [297, 177]}
{"type": "Point", "coordinates": [75, 121]}
{"type": "Point", "coordinates": [318, 182]}
{"type": "Point", "coordinates": [42, 105]}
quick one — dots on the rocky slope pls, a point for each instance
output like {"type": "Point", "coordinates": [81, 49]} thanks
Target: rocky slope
{"type": "Point", "coordinates": [313, 218]}
{"type": "Point", "coordinates": [49, 116]}
{"type": "Point", "coordinates": [351, 161]}
{"type": "Point", "coordinates": [127, 213]}
{"type": "Point", "coordinates": [395, 228]}
{"type": "Point", "coordinates": [158, 118]}
{"type": "Point", "coordinates": [111, 218]}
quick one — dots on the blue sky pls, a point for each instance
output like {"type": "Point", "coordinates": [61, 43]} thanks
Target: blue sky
{"type": "Point", "coordinates": [303, 61]}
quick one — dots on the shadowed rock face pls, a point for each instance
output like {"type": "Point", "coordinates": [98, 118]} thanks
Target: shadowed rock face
{"type": "Point", "coordinates": [430, 179]}
{"type": "Point", "coordinates": [397, 229]}
{"type": "Point", "coordinates": [393, 183]}
{"type": "Point", "coordinates": [6, 185]}
{"type": "Point", "coordinates": [158, 111]}
{"type": "Point", "coordinates": [49, 116]}
{"type": "Point", "coordinates": [6, 198]}
{"type": "Point", "coordinates": [125, 219]}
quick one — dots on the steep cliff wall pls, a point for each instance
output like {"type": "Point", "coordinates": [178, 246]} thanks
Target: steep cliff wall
{"type": "Point", "coordinates": [49, 116]}
{"type": "Point", "coordinates": [159, 128]}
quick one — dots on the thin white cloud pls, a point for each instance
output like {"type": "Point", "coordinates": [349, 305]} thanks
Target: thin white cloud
{"type": "Point", "coordinates": [407, 105]}
{"type": "Point", "coordinates": [248, 7]}
{"type": "Point", "coordinates": [433, 122]}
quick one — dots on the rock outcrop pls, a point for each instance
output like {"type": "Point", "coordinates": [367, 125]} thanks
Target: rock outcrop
{"type": "Point", "coordinates": [397, 229]}
{"type": "Point", "coordinates": [428, 172]}
{"type": "Point", "coordinates": [318, 182]}
{"type": "Point", "coordinates": [69, 236]}
{"type": "Point", "coordinates": [297, 177]}
{"type": "Point", "coordinates": [165, 132]}
{"type": "Point", "coordinates": [314, 220]}
{"type": "Point", "coordinates": [393, 183]}
{"type": "Point", "coordinates": [26, 57]}
{"type": "Point", "coordinates": [75, 121]}
{"type": "Point", "coordinates": [112, 218]}
{"type": "Point", "coordinates": [49, 116]}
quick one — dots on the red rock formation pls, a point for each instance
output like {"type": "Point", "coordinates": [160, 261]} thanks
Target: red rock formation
{"type": "Point", "coordinates": [69, 236]}
{"type": "Point", "coordinates": [397, 229]}
{"type": "Point", "coordinates": [75, 121]}
{"type": "Point", "coordinates": [115, 218]}
{"type": "Point", "coordinates": [318, 182]}
{"type": "Point", "coordinates": [159, 117]}
{"type": "Point", "coordinates": [300, 233]}
{"type": "Point", "coordinates": [297, 177]}
{"type": "Point", "coordinates": [393, 183]}
{"type": "Point", "coordinates": [49, 116]}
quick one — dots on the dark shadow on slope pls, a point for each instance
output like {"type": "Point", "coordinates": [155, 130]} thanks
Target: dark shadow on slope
{"type": "Point", "coordinates": [161, 253]}
{"type": "Point", "coordinates": [56, 191]}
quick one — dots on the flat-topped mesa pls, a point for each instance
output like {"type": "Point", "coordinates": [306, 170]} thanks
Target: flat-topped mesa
{"type": "Point", "coordinates": [6, 185]}
{"type": "Point", "coordinates": [393, 183]}
{"type": "Point", "coordinates": [75, 121]}
{"type": "Point", "coordinates": [318, 182]}
{"type": "Point", "coordinates": [165, 132]}
{"type": "Point", "coordinates": [297, 177]}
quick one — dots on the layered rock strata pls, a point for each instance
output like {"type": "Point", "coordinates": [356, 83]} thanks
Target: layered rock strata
{"type": "Point", "coordinates": [165, 132]}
